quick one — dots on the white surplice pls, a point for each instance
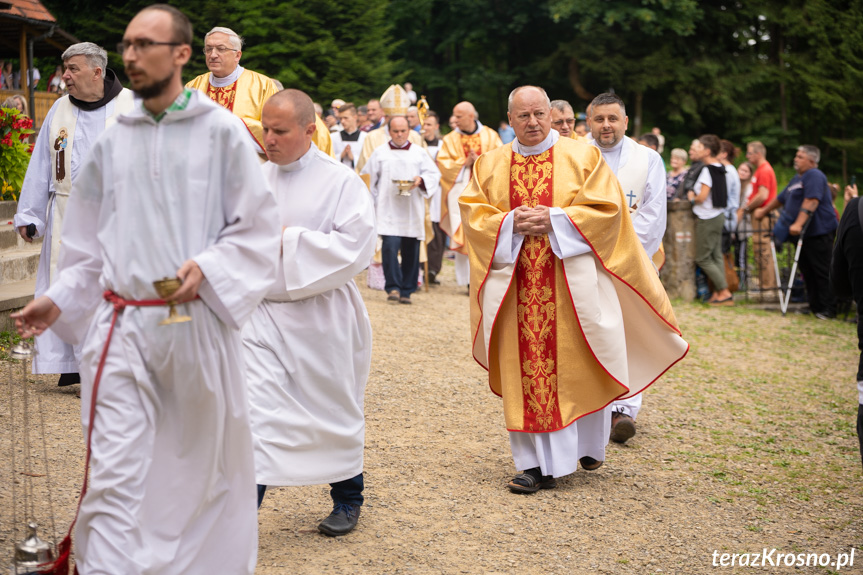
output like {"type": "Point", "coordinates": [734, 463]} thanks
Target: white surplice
{"type": "Point", "coordinates": [556, 453]}
{"type": "Point", "coordinates": [308, 346]}
{"type": "Point", "coordinates": [342, 141]}
{"type": "Point", "coordinates": [649, 221]}
{"type": "Point", "coordinates": [53, 355]}
{"type": "Point", "coordinates": [172, 472]}
{"type": "Point", "coordinates": [398, 215]}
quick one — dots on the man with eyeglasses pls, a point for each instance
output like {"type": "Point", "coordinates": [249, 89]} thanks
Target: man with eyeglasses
{"type": "Point", "coordinates": [172, 471]}
{"type": "Point", "coordinates": [563, 118]}
{"type": "Point", "coordinates": [641, 173]}
{"type": "Point", "coordinates": [242, 91]}
{"type": "Point", "coordinates": [95, 100]}
{"type": "Point", "coordinates": [458, 152]}
{"type": "Point", "coordinates": [567, 313]}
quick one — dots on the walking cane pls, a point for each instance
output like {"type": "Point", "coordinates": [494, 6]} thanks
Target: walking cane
{"type": "Point", "coordinates": [784, 305]}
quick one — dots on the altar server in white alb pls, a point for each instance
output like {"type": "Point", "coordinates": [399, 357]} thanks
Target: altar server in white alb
{"type": "Point", "coordinates": [72, 125]}
{"type": "Point", "coordinates": [173, 189]}
{"type": "Point", "coordinates": [401, 214]}
{"type": "Point", "coordinates": [308, 346]}
{"type": "Point", "coordinates": [641, 173]}
{"type": "Point", "coordinates": [348, 142]}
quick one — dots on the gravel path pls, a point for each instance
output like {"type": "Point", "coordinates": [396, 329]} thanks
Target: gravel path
{"type": "Point", "coordinates": [747, 444]}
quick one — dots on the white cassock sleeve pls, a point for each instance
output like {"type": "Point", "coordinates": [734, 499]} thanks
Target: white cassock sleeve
{"type": "Point", "coordinates": [317, 261]}
{"type": "Point", "coordinates": [36, 189]}
{"type": "Point", "coordinates": [241, 265]}
{"type": "Point", "coordinates": [429, 174]}
{"type": "Point", "coordinates": [372, 168]}
{"type": "Point", "coordinates": [649, 223]}
{"type": "Point", "coordinates": [564, 238]}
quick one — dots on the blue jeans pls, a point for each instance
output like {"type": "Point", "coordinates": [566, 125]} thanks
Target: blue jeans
{"type": "Point", "coordinates": [402, 277]}
{"type": "Point", "coordinates": [349, 491]}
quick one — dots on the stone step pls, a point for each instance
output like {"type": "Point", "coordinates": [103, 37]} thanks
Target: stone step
{"type": "Point", "coordinates": [7, 211]}
{"type": "Point", "coordinates": [19, 265]}
{"type": "Point", "coordinates": [14, 296]}
{"type": "Point", "coordinates": [10, 239]}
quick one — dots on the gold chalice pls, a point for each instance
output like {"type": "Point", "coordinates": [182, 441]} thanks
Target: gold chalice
{"type": "Point", "coordinates": [166, 287]}
{"type": "Point", "coordinates": [404, 186]}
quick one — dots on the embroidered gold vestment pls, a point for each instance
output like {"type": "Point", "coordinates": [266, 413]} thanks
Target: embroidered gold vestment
{"type": "Point", "coordinates": [562, 338]}
{"type": "Point", "coordinates": [245, 98]}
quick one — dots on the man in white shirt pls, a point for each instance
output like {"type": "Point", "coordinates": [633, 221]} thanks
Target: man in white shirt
{"type": "Point", "coordinates": [348, 142]}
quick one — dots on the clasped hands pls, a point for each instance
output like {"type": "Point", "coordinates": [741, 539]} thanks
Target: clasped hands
{"type": "Point", "coordinates": [531, 221]}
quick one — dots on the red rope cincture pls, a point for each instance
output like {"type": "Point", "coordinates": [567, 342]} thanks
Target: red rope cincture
{"type": "Point", "coordinates": [60, 566]}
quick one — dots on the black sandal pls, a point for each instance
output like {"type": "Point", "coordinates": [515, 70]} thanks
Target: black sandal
{"type": "Point", "coordinates": [527, 483]}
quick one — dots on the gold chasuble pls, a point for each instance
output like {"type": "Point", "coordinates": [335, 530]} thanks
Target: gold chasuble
{"type": "Point", "coordinates": [245, 98]}
{"type": "Point", "coordinates": [451, 158]}
{"type": "Point", "coordinates": [563, 338]}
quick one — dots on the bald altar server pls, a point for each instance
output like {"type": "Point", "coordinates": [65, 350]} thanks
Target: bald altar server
{"type": "Point", "coordinates": [171, 460]}
{"type": "Point", "coordinates": [95, 100]}
{"type": "Point", "coordinates": [641, 173]}
{"type": "Point", "coordinates": [458, 152]}
{"type": "Point", "coordinates": [394, 102]}
{"type": "Point", "coordinates": [306, 377]}
{"type": "Point", "coordinates": [241, 91]}
{"type": "Point", "coordinates": [567, 311]}
{"type": "Point", "coordinates": [401, 217]}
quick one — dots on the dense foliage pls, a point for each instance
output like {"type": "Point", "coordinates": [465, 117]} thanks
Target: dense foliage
{"type": "Point", "coordinates": [15, 150]}
{"type": "Point", "coordinates": [785, 72]}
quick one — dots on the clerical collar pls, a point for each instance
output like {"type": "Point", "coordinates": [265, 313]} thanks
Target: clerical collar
{"type": "Point", "coordinates": [112, 88]}
{"type": "Point", "coordinates": [407, 146]}
{"type": "Point", "coordinates": [549, 141]}
{"type": "Point", "coordinates": [433, 142]}
{"type": "Point", "coordinates": [354, 137]}
{"type": "Point", "coordinates": [227, 80]}
{"type": "Point", "coordinates": [476, 129]}
{"type": "Point", "coordinates": [302, 162]}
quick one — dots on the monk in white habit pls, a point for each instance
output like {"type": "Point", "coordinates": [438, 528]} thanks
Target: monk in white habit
{"type": "Point", "coordinates": [308, 346]}
{"type": "Point", "coordinates": [240, 91]}
{"type": "Point", "coordinates": [641, 173]}
{"type": "Point", "coordinates": [458, 152]}
{"type": "Point", "coordinates": [95, 99]}
{"type": "Point", "coordinates": [170, 444]}
{"type": "Point", "coordinates": [567, 311]}
{"type": "Point", "coordinates": [401, 214]}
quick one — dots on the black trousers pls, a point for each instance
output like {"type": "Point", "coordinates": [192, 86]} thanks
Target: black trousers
{"type": "Point", "coordinates": [815, 257]}
{"type": "Point", "coordinates": [860, 429]}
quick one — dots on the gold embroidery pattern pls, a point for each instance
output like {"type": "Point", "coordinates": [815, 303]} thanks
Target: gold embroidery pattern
{"type": "Point", "coordinates": [531, 185]}
{"type": "Point", "coordinates": [223, 96]}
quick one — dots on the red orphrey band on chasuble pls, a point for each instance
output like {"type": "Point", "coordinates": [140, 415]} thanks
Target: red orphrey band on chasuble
{"type": "Point", "coordinates": [223, 96]}
{"type": "Point", "coordinates": [471, 143]}
{"type": "Point", "coordinates": [531, 186]}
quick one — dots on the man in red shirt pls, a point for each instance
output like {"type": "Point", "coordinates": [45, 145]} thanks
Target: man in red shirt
{"type": "Point", "coordinates": [763, 190]}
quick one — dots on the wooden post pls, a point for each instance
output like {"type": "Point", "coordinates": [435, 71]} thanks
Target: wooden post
{"type": "Point", "coordinates": [24, 63]}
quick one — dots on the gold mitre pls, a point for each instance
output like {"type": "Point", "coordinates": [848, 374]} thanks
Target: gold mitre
{"type": "Point", "coordinates": [395, 101]}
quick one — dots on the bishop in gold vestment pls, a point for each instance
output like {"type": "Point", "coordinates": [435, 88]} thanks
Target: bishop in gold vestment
{"type": "Point", "coordinates": [567, 312]}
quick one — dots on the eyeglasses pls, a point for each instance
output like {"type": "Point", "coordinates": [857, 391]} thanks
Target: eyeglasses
{"type": "Point", "coordinates": [219, 49]}
{"type": "Point", "coordinates": [570, 121]}
{"type": "Point", "coordinates": [143, 45]}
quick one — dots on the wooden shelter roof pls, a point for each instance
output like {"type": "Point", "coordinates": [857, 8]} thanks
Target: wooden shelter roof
{"type": "Point", "coordinates": [31, 14]}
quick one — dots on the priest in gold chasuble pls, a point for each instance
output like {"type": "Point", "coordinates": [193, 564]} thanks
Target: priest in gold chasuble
{"type": "Point", "coordinates": [458, 152]}
{"type": "Point", "coordinates": [242, 92]}
{"type": "Point", "coordinates": [567, 312]}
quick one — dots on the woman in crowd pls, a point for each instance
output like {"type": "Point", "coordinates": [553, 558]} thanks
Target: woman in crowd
{"type": "Point", "coordinates": [709, 200]}
{"type": "Point", "coordinates": [678, 171]}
